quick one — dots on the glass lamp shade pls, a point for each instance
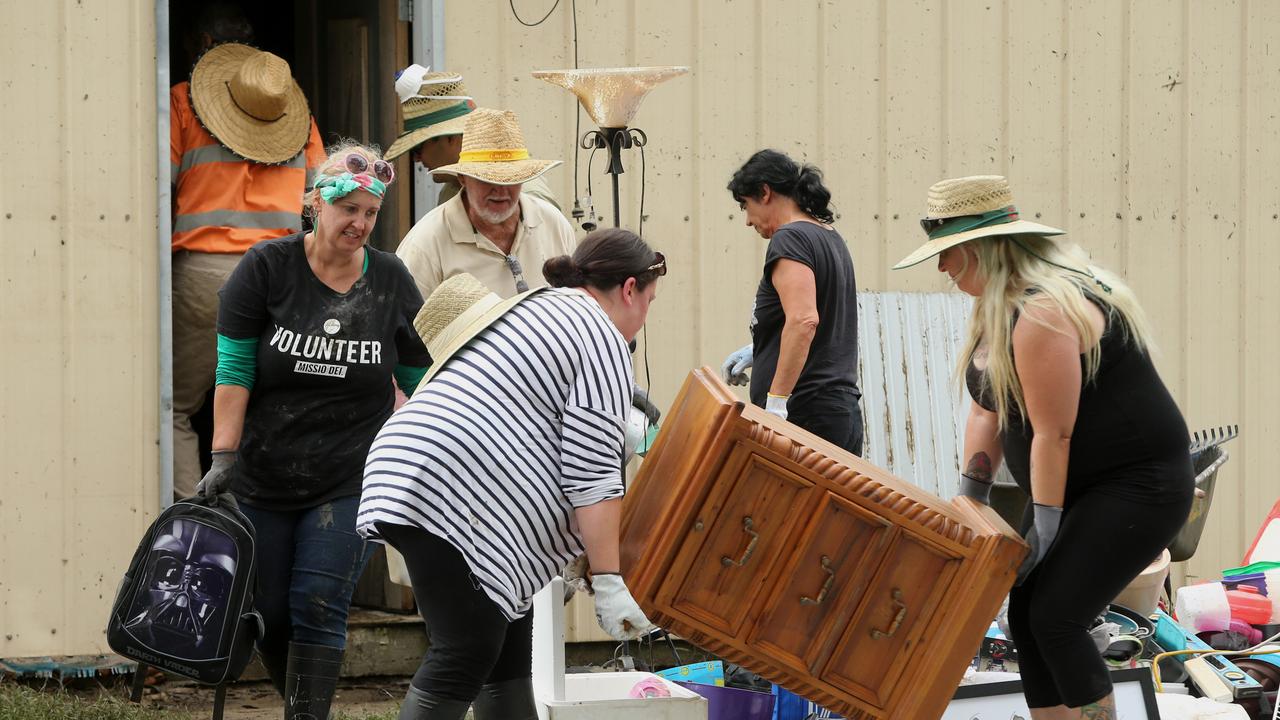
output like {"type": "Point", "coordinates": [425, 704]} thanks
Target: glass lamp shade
{"type": "Point", "coordinates": [611, 96]}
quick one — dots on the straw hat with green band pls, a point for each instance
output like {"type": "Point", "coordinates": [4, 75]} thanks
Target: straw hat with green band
{"type": "Point", "coordinates": [432, 104]}
{"type": "Point", "coordinates": [493, 150]}
{"type": "Point", "coordinates": [962, 209]}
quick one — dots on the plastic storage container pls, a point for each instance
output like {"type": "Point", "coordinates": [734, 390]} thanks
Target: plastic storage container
{"type": "Point", "coordinates": [1203, 607]}
{"type": "Point", "coordinates": [1249, 605]}
{"type": "Point", "coordinates": [727, 703]}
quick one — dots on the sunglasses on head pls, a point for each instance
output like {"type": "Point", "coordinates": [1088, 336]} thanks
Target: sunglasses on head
{"type": "Point", "coordinates": [659, 266]}
{"type": "Point", "coordinates": [358, 164]}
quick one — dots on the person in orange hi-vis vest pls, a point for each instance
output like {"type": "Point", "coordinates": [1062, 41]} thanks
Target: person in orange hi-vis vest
{"type": "Point", "coordinates": [244, 148]}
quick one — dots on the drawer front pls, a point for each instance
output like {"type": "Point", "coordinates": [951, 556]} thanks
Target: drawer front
{"type": "Point", "coordinates": [821, 584]}
{"type": "Point", "coordinates": [741, 535]}
{"type": "Point", "coordinates": [884, 636]}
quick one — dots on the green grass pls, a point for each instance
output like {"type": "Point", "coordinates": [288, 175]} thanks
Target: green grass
{"type": "Point", "coordinates": [18, 702]}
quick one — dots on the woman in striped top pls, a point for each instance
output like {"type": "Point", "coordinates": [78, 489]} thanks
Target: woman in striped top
{"type": "Point", "coordinates": [506, 465]}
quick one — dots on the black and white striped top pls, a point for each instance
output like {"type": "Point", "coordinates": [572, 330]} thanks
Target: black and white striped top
{"type": "Point", "coordinates": [520, 427]}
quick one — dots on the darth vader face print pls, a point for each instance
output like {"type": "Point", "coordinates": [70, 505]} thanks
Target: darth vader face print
{"type": "Point", "coordinates": [181, 605]}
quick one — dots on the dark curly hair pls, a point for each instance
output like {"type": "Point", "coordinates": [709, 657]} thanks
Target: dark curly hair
{"type": "Point", "coordinates": [802, 183]}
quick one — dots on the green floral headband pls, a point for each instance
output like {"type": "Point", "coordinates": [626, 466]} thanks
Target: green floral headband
{"type": "Point", "coordinates": [334, 187]}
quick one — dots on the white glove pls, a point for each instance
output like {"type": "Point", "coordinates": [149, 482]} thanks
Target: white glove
{"type": "Point", "coordinates": [777, 404]}
{"type": "Point", "coordinates": [616, 611]}
{"type": "Point", "coordinates": [734, 369]}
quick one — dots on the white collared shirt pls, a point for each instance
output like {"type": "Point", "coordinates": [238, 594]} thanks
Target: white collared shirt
{"type": "Point", "coordinates": [444, 243]}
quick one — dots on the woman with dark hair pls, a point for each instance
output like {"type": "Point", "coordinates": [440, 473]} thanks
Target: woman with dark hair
{"type": "Point", "coordinates": [804, 325]}
{"type": "Point", "coordinates": [506, 465]}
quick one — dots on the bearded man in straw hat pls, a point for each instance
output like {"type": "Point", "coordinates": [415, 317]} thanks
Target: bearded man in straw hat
{"type": "Point", "coordinates": [243, 148]}
{"type": "Point", "coordinates": [433, 108]}
{"type": "Point", "coordinates": [491, 229]}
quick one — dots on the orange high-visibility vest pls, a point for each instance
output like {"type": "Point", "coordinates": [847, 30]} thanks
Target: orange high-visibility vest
{"type": "Point", "coordinates": [223, 202]}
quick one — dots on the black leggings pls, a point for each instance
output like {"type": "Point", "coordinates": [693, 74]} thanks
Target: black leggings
{"type": "Point", "coordinates": [472, 642]}
{"type": "Point", "coordinates": [1104, 541]}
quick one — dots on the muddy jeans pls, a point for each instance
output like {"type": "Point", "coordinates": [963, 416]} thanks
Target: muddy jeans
{"type": "Point", "coordinates": [197, 277]}
{"type": "Point", "coordinates": [308, 563]}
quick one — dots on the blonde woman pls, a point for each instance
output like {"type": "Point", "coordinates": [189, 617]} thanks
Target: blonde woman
{"type": "Point", "coordinates": [311, 329]}
{"type": "Point", "coordinates": [1058, 364]}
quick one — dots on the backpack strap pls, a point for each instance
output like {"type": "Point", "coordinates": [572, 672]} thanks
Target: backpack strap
{"type": "Point", "coordinates": [219, 699]}
{"type": "Point", "coordinates": [139, 681]}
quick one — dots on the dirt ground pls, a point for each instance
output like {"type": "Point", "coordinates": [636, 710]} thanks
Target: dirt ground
{"type": "Point", "coordinates": [370, 697]}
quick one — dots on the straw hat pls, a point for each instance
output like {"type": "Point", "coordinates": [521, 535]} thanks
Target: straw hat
{"type": "Point", "coordinates": [247, 99]}
{"type": "Point", "coordinates": [493, 150]}
{"type": "Point", "coordinates": [431, 104]}
{"type": "Point", "coordinates": [962, 209]}
{"type": "Point", "coordinates": [455, 312]}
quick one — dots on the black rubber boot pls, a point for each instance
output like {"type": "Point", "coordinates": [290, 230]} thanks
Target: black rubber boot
{"type": "Point", "coordinates": [310, 681]}
{"type": "Point", "coordinates": [506, 700]}
{"type": "Point", "coordinates": [422, 705]}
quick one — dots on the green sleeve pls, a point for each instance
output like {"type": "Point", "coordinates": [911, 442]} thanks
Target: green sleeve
{"type": "Point", "coordinates": [237, 361]}
{"type": "Point", "coordinates": [408, 378]}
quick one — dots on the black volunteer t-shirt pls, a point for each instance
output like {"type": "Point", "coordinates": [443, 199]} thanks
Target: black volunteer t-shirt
{"type": "Point", "coordinates": [324, 369]}
{"type": "Point", "coordinates": [832, 364]}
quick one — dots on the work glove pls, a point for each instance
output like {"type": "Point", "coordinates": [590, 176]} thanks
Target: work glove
{"type": "Point", "coordinates": [634, 432]}
{"type": "Point", "coordinates": [1044, 529]}
{"type": "Point", "coordinates": [575, 578]}
{"type": "Point", "coordinates": [975, 488]}
{"type": "Point", "coordinates": [218, 480]}
{"type": "Point", "coordinates": [640, 401]}
{"type": "Point", "coordinates": [616, 611]}
{"type": "Point", "coordinates": [734, 369]}
{"type": "Point", "coordinates": [777, 404]}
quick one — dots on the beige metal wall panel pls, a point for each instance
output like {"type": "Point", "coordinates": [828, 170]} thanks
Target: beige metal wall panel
{"type": "Point", "coordinates": [78, 313]}
{"type": "Point", "coordinates": [1146, 128]}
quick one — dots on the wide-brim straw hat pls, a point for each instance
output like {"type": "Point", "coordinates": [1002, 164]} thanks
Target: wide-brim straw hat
{"type": "Point", "coordinates": [432, 104]}
{"type": "Point", "coordinates": [458, 309]}
{"type": "Point", "coordinates": [963, 209]}
{"type": "Point", "coordinates": [493, 150]}
{"type": "Point", "coordinates": [249, 102]}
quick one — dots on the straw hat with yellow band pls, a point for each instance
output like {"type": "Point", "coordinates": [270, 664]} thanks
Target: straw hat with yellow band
{"type": "Point", "coordinates": [493, 150]}
{"type": "Point", "coordinates": [455, 312]}
{"type": "Point", "coordinates": [963, 209]}
{"type": "Point", "coordinates": [249, 102]}
{"type": "Point", "coordinates": [432, 104]}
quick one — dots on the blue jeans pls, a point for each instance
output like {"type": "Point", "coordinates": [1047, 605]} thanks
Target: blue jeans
{"type": "Point", "coordinates": [308, 563]}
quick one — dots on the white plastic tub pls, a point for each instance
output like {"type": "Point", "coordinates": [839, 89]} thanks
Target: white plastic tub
{"type": "Point", "coordinates": [600, 696]}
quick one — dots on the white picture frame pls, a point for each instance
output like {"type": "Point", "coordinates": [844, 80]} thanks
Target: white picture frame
{"type": "Point", "coordinates": [1135, 699]}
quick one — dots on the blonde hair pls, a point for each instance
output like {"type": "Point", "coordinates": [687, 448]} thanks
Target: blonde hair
{"type": "Point", "coordinates": [336, 164]}
{"type": "Point", "coordinates": [1022, 271]}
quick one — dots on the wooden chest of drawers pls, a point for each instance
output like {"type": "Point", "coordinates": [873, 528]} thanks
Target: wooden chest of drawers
{"type": "Point", "coordinates": [778, 551]}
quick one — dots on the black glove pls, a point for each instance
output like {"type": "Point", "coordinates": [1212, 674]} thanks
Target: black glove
{"type": "Point", "coordinates": [976, 488]}
{"type": "Point", "coordinates": [218, 480]}
{"type": "Point", "coordinates": [1044, 530]}
{"type": "Point", "coordinates": [640, 400]}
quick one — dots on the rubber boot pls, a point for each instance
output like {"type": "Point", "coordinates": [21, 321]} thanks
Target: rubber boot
{"type": "Point", "coordinates": [422, 705]}
{"type": "Point", "coordinates": [506, 700]}
{"type": "Point", "coordinates": [310, 681]}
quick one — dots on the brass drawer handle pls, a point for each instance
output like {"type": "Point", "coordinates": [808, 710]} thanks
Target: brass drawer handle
{"type": "Point", "coordinates": [897, 619]}
{"type": "Point", "coordinates": [747, 526]}
{"type": "Point", "coordinates": [826, 586]}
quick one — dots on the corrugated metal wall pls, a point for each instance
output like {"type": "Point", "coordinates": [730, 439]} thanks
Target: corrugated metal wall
{"type": "Point", "coordinates": [78, 314]}
{"type": "Point", "coordinates": [1147, 128]}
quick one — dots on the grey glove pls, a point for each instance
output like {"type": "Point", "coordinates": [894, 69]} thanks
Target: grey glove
{"type": "Point", "coordinates": [1044, 530]}
{"type": "Point", "coordinates": [976, 488]}
{"type": "Point", "coordinates": [640, 401]}
{"type": "Point", "coordinates": [218, 480]}
{"type": "Point", "coordinates": [734, 369]}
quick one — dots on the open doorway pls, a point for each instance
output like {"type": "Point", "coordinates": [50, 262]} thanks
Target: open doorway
{"type": "Point", "coordinates": [344, 56]}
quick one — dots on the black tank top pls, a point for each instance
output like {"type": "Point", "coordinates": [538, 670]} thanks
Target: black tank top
{"type": "Point", "coordinates": [1129, 433]}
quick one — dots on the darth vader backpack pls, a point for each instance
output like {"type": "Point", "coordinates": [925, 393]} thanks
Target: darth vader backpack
{"type": "Point", "coordinates": [185, 605]}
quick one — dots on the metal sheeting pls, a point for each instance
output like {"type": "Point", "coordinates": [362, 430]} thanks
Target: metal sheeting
{"type": "Point", "coordinates": [79, 368]}
{"type": "Point", "coordinates": [914, 412]}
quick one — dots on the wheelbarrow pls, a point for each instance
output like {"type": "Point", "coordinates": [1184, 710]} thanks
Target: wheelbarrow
{"type": "Point", "coordinates": [1207, 457]}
